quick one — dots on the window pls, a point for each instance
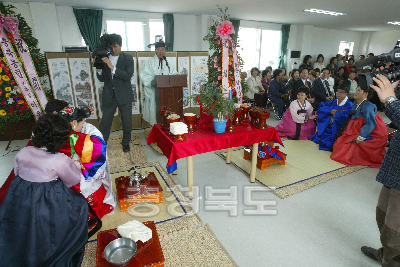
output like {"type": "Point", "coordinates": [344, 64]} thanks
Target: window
{"type": "Point", "coordinates": [134, 34]}
{"type": "Point", "coordinates": [344, 45]}
{"type": "Point", "coordinates": [156, 29]}
{"type": "Point", "coordinates": [259, 47]}
{"type": "Point", "coordinates": [270, 45]}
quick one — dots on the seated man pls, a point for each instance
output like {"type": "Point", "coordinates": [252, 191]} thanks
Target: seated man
{"type": "Point", "coordinates": [302, 82]}
{"type": "Point", "coordinates": [331, 116]}
{"type": "Point", "coordinates": [321, 91]}
{"type": "Point", "coordinates": [278, 93]}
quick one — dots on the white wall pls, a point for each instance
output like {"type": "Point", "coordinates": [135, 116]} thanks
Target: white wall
{"type": "Point", "coordinates": [69, 30]}
{"type": "Point", "coordinates": [326, 41]}
{"type": "Point", "coordinates": [383, 42]}
{"type": "Point", "coordinates": [46, 26]}
{"type": "Point", "coordinates": [186, 33]}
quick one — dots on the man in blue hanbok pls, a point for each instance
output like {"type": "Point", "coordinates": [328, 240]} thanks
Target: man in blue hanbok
{"type": "Point", "coordinates": [331, 116]}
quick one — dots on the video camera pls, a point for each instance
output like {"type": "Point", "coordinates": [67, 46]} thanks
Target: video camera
{"type": "Point", "coordinates": [392, 73]}
{"type": "Point", "coordinates": [103, 50]}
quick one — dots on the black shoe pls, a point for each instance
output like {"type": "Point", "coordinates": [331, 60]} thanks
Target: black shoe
{"type": "Point", "coordinates": [126, 148]}
{"type": "Point", "coordinates": [369, 252]}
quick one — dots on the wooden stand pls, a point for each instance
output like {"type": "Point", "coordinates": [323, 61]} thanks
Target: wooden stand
{"type": "Point", "coordinates": [149, 190]}
{"type": "Point", "coordinates": [169, 91]}
{"type": "Point", "coordinates": [263, 163]}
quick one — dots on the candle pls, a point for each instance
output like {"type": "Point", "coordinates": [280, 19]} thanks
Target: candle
{"type": "Point", "coordinates": [230, 94]}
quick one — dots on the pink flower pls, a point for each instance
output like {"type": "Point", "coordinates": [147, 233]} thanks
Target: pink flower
{"type": "Point", "coordinates": [16, 87]}
{"type": "Point", "coordinates": [215, 65]}
{"type": "Point", "coordinates": [216, 82]}
{"type": "Point", "coordinates": [3, 102]}
{"type": "Point", "coordinates": [225, 29]}
{"type": "Point", "coordinates": [216, 36]}
{"type": "Point", "coordinates": [215, 59]}
{"type": "Point", "coordinates": [219, 77]}
{"type": "Point", "coordinates": [21, 110]}
{"type": "Point", "coordinates": [219, 69]}
{"type": "Point", "coordinates": [218, 42]}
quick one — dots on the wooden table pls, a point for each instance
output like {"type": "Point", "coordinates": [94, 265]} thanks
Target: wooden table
{"type": "Point", "coordinates": [205, 139]}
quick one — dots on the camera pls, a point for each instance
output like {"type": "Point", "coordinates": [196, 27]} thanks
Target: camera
{"type": "Point", "coordinates": [103, 50]}
{"type": "Point", "coordinates": [392, 73]}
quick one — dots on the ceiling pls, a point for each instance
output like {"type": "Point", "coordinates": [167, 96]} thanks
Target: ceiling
{"type": "Point", "coordinates": [362, 15]}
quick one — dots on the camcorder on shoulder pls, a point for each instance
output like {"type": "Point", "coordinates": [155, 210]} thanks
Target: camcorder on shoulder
{"type": "Point", "coordinates": [392, 73]}
{"type": "Point", "coordinates": [103, 50]}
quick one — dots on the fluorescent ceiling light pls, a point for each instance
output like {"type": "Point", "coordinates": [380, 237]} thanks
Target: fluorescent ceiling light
{"type": "Point", "coordinates": [320, 11]}
{"type": "Point", "coordinates": [394, 22]}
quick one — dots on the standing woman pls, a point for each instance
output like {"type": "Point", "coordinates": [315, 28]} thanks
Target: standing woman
{"type": "Point", "coordinates": [306, 63]}
{"type": "Point", "coordinates": [43, 222]}
{"type": "Point", "coordinates": [363, 137]}
{"type": "Point", "coordinates": [319, 64]}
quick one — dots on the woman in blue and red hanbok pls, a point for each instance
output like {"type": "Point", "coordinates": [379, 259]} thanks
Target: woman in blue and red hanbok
{"type": "Point", "coordinates": [42, 221]}
{"type": "Point", "coordinates": [331, 117]}
{"type": "Point", "coordinates": [86, 145]}
{"type": "Point", "coordinates": [298, 121]}
{"type": "Point", "coordinates": [364, 139]}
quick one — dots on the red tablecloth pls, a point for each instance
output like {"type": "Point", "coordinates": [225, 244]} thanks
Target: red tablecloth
{"type": "Point", "coordinates": [205, 139]}
{"type": "Point", "coordinates": [6, 185]}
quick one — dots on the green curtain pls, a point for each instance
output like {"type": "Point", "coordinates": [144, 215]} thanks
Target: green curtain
{"type": "Point", "coordinates": [90, 22]}
{"type": "Point", "coordinates": [236, 25]}
{"type": "Point", "coordinates": [284, 42]}
{"type": "Point", "coordinates": [168, 20]}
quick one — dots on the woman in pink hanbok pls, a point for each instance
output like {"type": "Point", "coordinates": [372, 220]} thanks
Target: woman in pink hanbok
{"type": "Point", "coordinates": [298, 121]}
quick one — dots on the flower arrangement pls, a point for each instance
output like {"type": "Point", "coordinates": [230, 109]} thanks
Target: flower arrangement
{"type": "Point", "coordinates": [221, 30]}
{"type": "Point", "coordinates": [13, 106]}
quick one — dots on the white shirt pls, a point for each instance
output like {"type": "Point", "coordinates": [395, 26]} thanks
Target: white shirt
{"type": "Point", "coordinates": [353, 88]}
{"type": "Point", "coordinates": [331, 82]}
{"type": "Point", "coordinates": [114, 60]}
{"type": "Point", "coordinates": [320, 66]}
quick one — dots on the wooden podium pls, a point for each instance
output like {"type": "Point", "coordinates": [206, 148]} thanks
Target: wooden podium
{"type": "Point", "coordinates": [169, 91]}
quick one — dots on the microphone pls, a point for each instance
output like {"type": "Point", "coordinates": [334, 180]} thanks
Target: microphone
{"type": "Point", "coordinates": [166, 62]}
{"type": "Point", "coordinates": [392, 56]}
{"type": "Point", "coordinates": [367, 61]}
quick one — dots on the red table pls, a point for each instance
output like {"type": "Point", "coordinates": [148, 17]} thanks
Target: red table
{"type": "Point", "coordinates": [205, 139]}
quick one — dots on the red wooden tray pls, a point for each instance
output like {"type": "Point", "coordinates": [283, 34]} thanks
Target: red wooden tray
{"type": "Point", "coordinates": [149, 253]}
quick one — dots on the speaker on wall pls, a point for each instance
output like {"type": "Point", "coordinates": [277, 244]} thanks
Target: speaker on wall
{"type": "Point", "coordinates": [295, 54]}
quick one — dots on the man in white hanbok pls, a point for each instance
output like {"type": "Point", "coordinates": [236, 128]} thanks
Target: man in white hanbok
{"type": "Point", "coordinates": [157, 65]}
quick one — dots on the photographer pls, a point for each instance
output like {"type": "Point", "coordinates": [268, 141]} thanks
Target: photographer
{"type": "Point", "coordinates": [116, 74]}
{"type": "Point", "coordinates": [388, 208]}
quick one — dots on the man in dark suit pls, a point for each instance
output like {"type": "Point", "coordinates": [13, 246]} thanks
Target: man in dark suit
{"type": "Point", "coordinates": [302, 82]}
{"type": "Point", "coordinates": [320, 89]}
{"type": "Point", "coordinates": [116, 74]}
